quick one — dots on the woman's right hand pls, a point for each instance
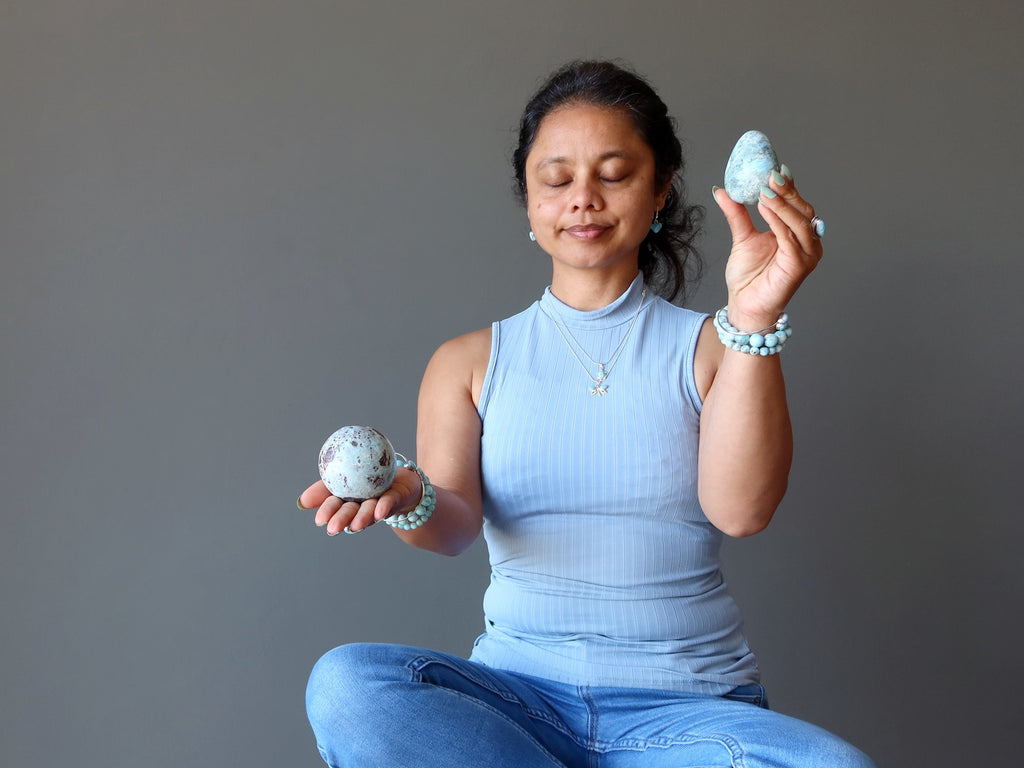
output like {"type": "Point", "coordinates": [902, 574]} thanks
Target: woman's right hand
{"type": "Point", "coordinates": [448, 433]}
{"type": "Point", "coordinates": [350, 516]}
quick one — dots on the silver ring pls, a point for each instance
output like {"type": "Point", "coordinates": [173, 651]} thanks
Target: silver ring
{"type": "Point", "coordinates": [817, 228]}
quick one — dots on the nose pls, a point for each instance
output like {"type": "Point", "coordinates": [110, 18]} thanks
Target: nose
{"type": "Point", "coordinates": [586, 194]}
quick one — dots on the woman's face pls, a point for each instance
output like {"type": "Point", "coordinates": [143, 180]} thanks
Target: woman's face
{"type": "Point", "coordinates": [591, 192]}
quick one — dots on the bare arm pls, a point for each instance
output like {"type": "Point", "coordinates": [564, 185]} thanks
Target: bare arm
{"type": "Point", "coordinates": [448, 435]}
{"type": "Point", "coordinates": [746, 440]}
{"type": "Point", "coordinates": [448, 451]}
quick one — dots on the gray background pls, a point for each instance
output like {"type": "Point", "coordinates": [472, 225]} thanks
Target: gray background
{"type": "Point", "coordinates": [228, 228]}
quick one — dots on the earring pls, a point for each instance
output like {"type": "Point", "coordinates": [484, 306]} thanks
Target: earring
{"type": "Point", "coordinates": [656, 225]}
{"type": "Point", "coordinates": [533, 237]}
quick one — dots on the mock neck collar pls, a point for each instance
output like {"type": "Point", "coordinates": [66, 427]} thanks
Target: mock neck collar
{"type": "Point", "coordinates": [619, 311]}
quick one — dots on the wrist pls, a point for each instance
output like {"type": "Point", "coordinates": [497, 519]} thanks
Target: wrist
{"type": "Point", "coordinates": [424, 508]}
{"type": "Point", "coordinates": [751, 319]}
{"type": "Point", "coordinates": [757, 341]}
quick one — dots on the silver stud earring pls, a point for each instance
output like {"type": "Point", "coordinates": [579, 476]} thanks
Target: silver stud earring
{"type": "Point", "coordinates": [533, 237]}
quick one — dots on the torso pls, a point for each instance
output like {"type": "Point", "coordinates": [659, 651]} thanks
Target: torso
{"type": "Point", "coordinates": [604, 567]}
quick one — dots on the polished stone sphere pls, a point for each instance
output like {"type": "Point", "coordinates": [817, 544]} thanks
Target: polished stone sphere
{"type": "Point", "coordinates": [357, 463]}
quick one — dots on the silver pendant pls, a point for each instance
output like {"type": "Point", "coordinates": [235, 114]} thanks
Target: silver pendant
{"type": "Point", "coordinates": [599, 388]}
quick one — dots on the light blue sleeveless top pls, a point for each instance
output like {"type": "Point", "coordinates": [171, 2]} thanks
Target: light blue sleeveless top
{"type": "Point", "coordinates": [604, 569]}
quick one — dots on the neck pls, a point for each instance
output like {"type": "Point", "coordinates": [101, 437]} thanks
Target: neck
{"type": "Point", "coordinates": [592, 290]}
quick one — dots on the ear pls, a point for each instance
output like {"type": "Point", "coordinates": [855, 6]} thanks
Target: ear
{"type": "Point", "coordinates": [661, 194]}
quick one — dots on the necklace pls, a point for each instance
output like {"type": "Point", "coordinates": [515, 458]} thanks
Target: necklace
{"type": "Point", "coordinates": [603, 369]}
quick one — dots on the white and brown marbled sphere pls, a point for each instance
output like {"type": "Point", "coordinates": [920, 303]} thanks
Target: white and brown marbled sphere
{"type": "Point", "coordinates": [357, 463]}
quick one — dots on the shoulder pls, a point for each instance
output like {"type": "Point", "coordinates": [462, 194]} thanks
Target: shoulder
{"type": "Point", "coordinates": [460, 362]}
{"type": "Point", "coordinates": [467, 348]}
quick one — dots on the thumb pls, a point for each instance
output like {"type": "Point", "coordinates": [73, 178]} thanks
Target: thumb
{"type": "Point", "coordinates": [404, 491]}
{"type": "Point", "coordinates": [736, 215]}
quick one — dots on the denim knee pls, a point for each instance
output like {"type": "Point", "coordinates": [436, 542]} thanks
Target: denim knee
{"type": "Point", "coordinates": [341, 687]}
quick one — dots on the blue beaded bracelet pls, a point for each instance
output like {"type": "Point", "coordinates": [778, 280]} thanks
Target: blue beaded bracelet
{"type": "Point", "coordinates": [767, 341]}
{"type": "Point", "coordinates": [424, 509]}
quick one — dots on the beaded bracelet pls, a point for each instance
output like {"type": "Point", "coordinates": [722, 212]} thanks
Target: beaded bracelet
{"type": "Point", "coordinates": [767, 341]}
{"type": "Point", "coordinates": [424, 509]}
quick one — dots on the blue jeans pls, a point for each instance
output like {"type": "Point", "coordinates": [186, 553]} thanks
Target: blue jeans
{"type": "Point", "coordinates": [400, 707]}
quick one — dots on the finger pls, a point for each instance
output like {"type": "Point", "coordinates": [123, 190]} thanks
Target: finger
{"type": "Point", "coordinates": [328, 509]}
{"type": "Point", "coordinates": [341, 520]}
{"type": "Point", "coordinates": [792, 233]}
{"type": "Point", "coordinates": [736, 215]}
{"type": "Point", "coordinates": [314, 496]}
{"type": "Point", "coordinates": [386, 505]}
{"type": "Point", "coordinates": [363, 518]}
{"type": "Point", "coordinates": [789, 224]}
{"type": "Point", "coordinates": [781, 182]}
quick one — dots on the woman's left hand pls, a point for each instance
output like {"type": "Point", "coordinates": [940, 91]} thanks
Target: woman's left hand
{"type": "Point", "coordinates": [766, 268]}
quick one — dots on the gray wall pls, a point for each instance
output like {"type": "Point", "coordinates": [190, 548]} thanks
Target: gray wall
{"type": "Point", "coordinates": [227, 228]}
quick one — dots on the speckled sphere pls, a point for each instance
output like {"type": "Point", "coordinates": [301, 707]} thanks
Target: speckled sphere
{"type": "Point", "coordinates": [357, 463]}
{"type": "Point", "coordinates": [750, 164]}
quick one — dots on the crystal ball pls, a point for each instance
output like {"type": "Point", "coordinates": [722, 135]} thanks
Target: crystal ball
{"type": "Point", "coordinates": [357, 463]}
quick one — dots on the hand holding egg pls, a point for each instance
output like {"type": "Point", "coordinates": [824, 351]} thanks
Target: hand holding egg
{"type": "Point", "coordinates": [765, 268]}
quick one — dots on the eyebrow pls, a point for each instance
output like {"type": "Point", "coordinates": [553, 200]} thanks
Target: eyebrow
{"type": "Point", "coordinates": [560, 160]}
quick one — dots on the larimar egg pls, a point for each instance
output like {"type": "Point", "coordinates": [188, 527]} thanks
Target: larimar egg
{"type": "Point", "coordinates": [357, 463]}
{"type": "Point", "coordinates": [750, 164]}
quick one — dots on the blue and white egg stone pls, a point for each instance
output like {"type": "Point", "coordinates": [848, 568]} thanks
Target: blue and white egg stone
{"type": "Point", "coordinates": [750, 164]}
{"type": "Point", "coordinates": [357, 463]}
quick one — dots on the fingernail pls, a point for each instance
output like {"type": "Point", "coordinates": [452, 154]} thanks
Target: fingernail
{"type": "Point", "coordinates": [765, 192]}
{"type": "Point", "coordinates": [298, 503]}
{"type": "Point", "coordinates": [778, 178]}
{"type": "Point", "coordinates": [349, 531]}
{"type": "Point", "coordinates": [786, 172]}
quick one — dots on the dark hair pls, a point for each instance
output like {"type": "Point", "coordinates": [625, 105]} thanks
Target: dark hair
{"type": "Point", "coordinates": [669, 259]}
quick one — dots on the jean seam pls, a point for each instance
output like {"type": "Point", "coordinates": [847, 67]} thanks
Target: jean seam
{"type": "Point", "coordinates": [642, 745]}
{"type": "Point", "coordinates": [418, 664]}
{"type": "Point", "coordinates": [758, 696]}
{"type": "Point", "coordinates": [593, 752]}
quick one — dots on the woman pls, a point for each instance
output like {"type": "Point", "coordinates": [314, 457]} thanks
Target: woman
{"type": "Point", "coordinates": [604, 440]}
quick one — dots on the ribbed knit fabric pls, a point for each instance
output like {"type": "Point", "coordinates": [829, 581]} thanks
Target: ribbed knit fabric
{"type": "Point", "coordinates": [604, 569]}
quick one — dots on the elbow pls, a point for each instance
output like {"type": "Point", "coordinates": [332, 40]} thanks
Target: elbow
{"type": "Point", "coordinates": [743, 516]}
{"type": "Point", "coordinates": [443, 540]}
{"type": "Point", "coordinates": [455, 548]}
{"type": "Point", "coordinates": [449, 547]}
{"type": "Point", "coordinates": [741, 529]}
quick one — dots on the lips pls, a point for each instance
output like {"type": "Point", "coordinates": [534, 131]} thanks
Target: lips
{"type": "Point", "coordinates": [586, 232]}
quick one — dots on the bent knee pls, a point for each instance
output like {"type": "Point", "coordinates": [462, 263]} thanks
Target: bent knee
{"type": "Point", "coordinates": [858, 759]}
{"type": "Point", "coordinates": [346, 681]}
{"type": "Point", "coordinates": [842, 754]}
